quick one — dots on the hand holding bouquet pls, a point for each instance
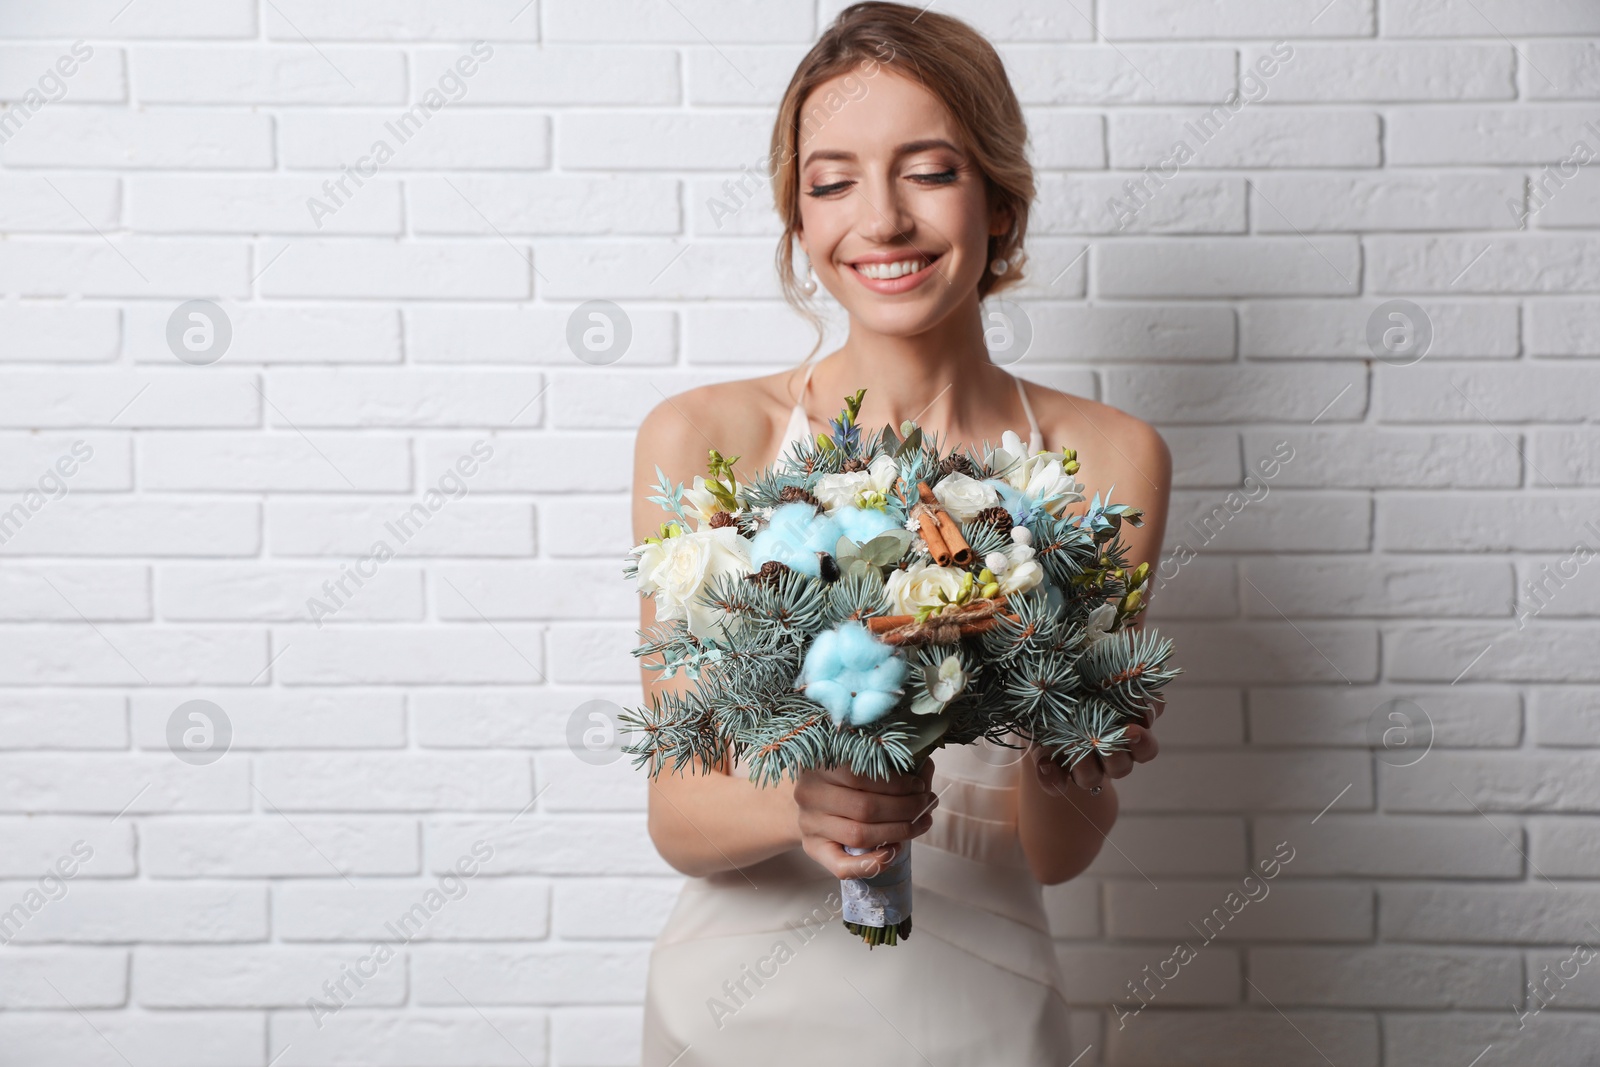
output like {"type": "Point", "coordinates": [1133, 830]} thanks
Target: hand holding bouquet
{"type": "Point", "coordinates": [875, 597]}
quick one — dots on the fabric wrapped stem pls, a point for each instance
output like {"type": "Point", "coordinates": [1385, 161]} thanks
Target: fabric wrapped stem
{"type": "Point", "coordinates": [878, 909]}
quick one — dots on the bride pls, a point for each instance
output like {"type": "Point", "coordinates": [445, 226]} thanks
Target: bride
{"type": "Point", "coordinates": [899, 167]}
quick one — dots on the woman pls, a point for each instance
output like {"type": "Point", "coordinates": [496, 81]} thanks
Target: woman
{"type": "Point", "coordinates": [900, 171]}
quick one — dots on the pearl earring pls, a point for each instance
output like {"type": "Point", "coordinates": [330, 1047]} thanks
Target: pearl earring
{"type": "Point", "coordinates": [809, 286]}
{"type": "Point", "coordinates": [999, 266]}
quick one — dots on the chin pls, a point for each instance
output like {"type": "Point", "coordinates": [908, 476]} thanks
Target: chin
{"type": "Point", "coordinates": [899, 320]}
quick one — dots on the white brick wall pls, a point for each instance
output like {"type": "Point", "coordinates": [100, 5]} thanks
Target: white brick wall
{"type": "Point", "coordinates": [424, 311]}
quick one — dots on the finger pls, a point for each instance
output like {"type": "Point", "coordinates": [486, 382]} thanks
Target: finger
{"type": "Point", "coordinates": [841, 864]}
{"type": "Point", "coordinates": [1051, 777]}
{"type": "Point", "coordinates": [1088, 772]}
{"type": "Point", "coordinates": [925, 772]}
{"type": "Point", "coordinates": [1118, 764]}
{"type": "Point", "coordinates": [896, 785]}
{"type": "Point", "coordinates": [1157, 706]}
{"type": "Point", "coordinates": [868, 834]}
{"type": "Point", "coordinates": [1142, 744]}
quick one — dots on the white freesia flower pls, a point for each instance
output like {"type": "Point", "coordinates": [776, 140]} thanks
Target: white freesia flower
{"type": "Point", "coordinates": [1022, 573]}
{"type": "Point", "coordinates": [678, 568]}
{"type": "Point", "coordinates": [1039, 477]}
{"type": "Point", "coordinates": [919, 586]}
{"type": "Point", "coordinates": [700, 501]}
{"type": "Point", "coordinates": [964, 497]}
{"type": "Point", "coordinates": [1101, 619]}
{"type": "Point", "coordinates": [845, 489]}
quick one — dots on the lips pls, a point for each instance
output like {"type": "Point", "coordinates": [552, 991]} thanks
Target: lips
{"type": "Point", "coordinates": [893, 272]}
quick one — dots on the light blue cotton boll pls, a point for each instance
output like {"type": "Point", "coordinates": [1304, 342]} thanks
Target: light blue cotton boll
{"type": "Point", "coordinates": [794, 537]}
{"type": "Point", "coordinates": [859, 650]}
{"type": "Point", "coordinates": [870, 706]}
{"type": "Point", "coordinates": [863, 524]}
{"type": "Point", "coordinates": [832, 695]}
{"type": "Point", "coordinates": [852, 674]}
{"type": "Point", "coordinates": [822, 660]}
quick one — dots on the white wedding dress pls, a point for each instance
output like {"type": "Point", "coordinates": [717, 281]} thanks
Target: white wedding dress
{"type": "Point", "coordinates": [755, 969]}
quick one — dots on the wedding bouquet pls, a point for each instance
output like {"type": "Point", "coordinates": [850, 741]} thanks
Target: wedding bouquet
{"type": "Point", "coordinates": [873, 597]}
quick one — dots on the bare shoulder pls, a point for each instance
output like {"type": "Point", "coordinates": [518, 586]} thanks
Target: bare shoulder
{"type": "Point", "coordinates": [1109, 441]}
{"type": "Point", "coordinates": [732, 417]}
{"type": "Point", "coordinates": [740, 418]}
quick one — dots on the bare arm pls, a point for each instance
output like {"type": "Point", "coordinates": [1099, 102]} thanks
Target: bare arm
{"type": "Point", "coordinates": [1061, 824]}
{"type": "Point", "coordinates": [705, 822]}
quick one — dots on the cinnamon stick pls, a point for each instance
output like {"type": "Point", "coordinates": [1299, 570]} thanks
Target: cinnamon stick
{"type": "Point", "coordinates": [949, 529]}
{"type": "Point", "coordinates": [928, 522]}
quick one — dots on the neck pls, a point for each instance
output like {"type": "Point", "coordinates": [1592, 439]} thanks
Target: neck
{"type": "Point", "coordinates": [942, 379]}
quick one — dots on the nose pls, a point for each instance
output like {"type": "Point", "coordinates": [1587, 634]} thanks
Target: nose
{"type": "Point", "coordinates": [884, 217]}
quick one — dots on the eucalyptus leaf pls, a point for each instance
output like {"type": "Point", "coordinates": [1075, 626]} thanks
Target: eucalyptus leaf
{"type": "Point", "coordinates": [887, 548]}
{"type": "Point", "coordinates": [927, 734]}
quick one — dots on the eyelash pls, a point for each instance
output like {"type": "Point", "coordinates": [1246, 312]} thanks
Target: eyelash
{"type": "Point", "coordinates": [943, 177]}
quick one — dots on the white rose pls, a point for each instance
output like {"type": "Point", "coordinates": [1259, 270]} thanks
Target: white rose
{"type": "Point", "coordinates": [1039, 477]}
{"type": "Point", "coordinates": [964, 497]}
{"type": "Point", "coordinates": [919, 586]}
{"type": "Point", "coordinates": [677, 569]}
{"type": "Point", "coordinates": [843, 490]}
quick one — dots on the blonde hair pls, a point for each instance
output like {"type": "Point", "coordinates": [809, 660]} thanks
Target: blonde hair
{"type": "Point", "coordinates": [961, 69]}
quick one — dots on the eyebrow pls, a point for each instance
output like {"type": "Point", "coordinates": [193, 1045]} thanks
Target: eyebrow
{"type": "Point", "coordinates": [909, 148]}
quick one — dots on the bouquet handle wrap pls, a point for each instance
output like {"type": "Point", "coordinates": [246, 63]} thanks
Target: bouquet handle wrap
{"type": "Point", "coordinates": [885, 898]}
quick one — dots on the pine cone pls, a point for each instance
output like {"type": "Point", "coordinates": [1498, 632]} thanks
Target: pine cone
{"type": "Point", "coordinates": [768, 574]}
{"type": "Point", "coordinates": [999, 516]}
{"type": "Point", "coordinates": [720, 519]}
{"type": "Point", "coordinates": [790, 493]}
{"type": "Point", "coordinates": [853, 464]}
{"type": "Point", "coordinates": [958, 462]}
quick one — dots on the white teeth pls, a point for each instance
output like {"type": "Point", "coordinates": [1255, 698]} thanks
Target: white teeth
{"type": "Point", "coordinates": [885, 271]}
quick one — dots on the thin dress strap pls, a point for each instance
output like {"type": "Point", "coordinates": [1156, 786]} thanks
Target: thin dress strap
{"type": "Point", "coordinates": [1035, 437]}
{"type": "Point", "coordinates": [799, 428]}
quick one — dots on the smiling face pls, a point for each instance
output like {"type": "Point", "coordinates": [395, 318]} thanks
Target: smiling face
{"type": "Point", "coordinates": [893, 212]}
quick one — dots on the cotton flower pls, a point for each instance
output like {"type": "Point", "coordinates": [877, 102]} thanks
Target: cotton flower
{"type": "Point", "coordinates": [798, 532]}
{"type": "Point", "coordinates": [852, 674]}
{"type": "Point", "coordinates": [964, 497]}
{"type": "Point", "coordinates": [862, 524]}
{"type": "Point", "coordinates": [794, 537]}
{"type": "Point", "coordinates": [919, 585]}
{"type": "Point", "coordinates": [846, 488]}
{"type": "Point", "coordinates": [677, 569]}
